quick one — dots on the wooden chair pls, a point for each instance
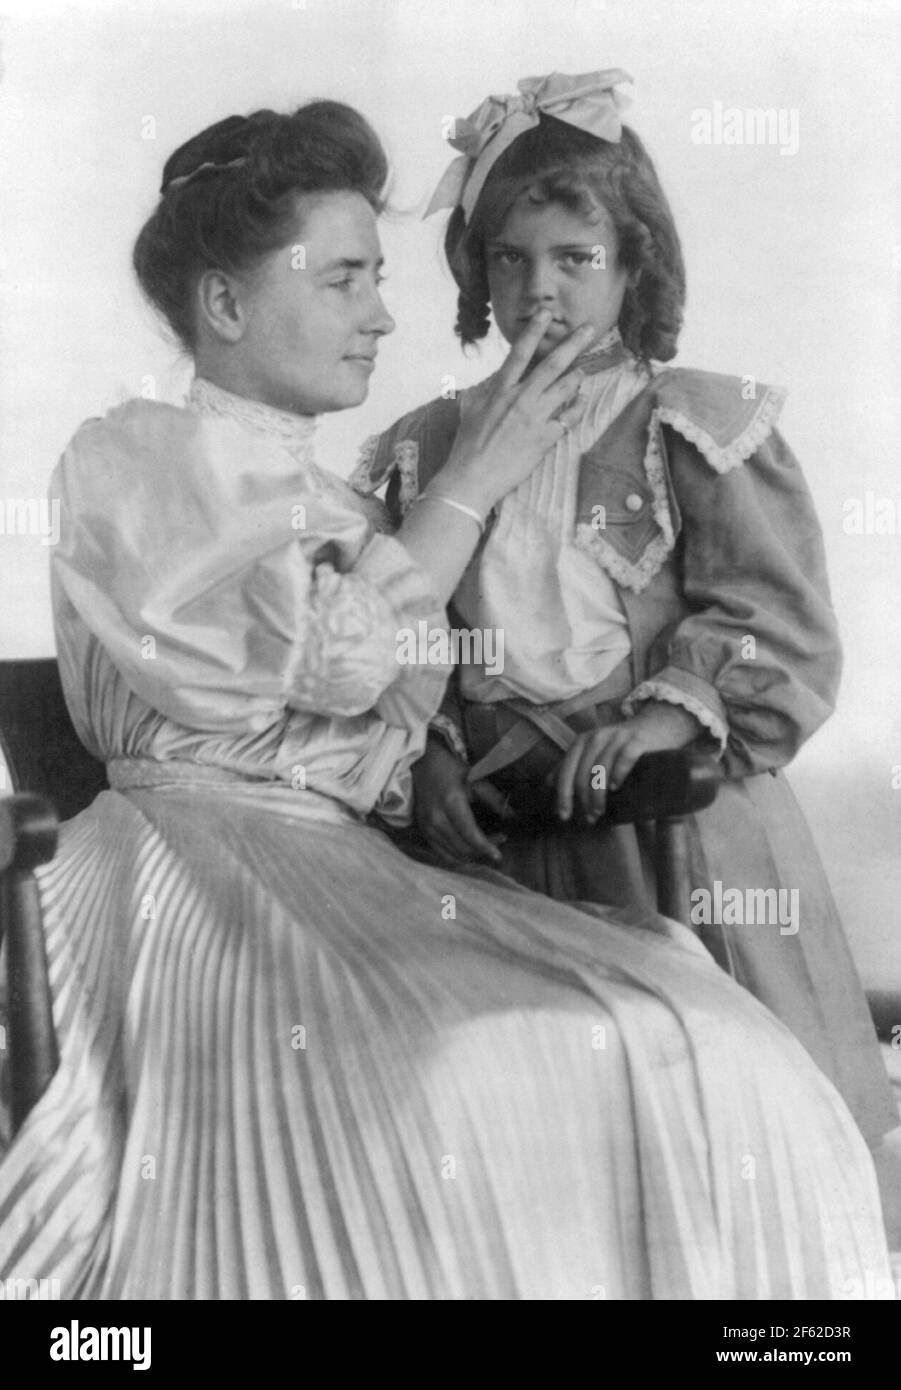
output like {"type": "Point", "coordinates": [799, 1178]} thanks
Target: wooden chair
{"type": "Point", "coordinates": [38, 745]}
{"type": "Point", "coordinates": [46, 773]}
{"type": "Point", "coordinates": [666, 788]}
{"type": "Point", "coordinates": [28, 827]}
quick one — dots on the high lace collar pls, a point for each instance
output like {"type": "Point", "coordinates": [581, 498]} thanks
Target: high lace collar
{"type": "Point", "coordinates": [292, 432]}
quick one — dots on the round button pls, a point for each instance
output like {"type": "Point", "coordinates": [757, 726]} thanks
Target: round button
{"type": "Point", "coordinates": [634, 502]}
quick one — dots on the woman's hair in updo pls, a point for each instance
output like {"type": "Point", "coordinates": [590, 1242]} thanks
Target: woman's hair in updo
{"type": "Point", "coordinates": [229, 219]}
{"type": "Point", "coordinates": [555, 162]}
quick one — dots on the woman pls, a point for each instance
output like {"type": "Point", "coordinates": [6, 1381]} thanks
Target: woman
{"type": "Point", "coordinates": [293, 1062]}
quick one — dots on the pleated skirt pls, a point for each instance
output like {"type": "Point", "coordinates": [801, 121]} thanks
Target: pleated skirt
{"type": "Point", "coordinates": [753, 837]}
{"type": "Point", "coordinates": [296, 1064]}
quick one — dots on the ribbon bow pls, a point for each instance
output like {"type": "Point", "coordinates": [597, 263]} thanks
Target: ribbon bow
{"type": "Point", "coordinates": [587, 101]}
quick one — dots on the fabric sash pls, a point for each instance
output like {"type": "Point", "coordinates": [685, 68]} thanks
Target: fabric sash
{"type": "Point", "coordinates": [536, 722]}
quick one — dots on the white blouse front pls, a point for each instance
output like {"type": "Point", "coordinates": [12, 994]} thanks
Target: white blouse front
{"type": "Point", "coordinates": [563, 627]}
{"type": "Point", "coordinates": [220, 600]}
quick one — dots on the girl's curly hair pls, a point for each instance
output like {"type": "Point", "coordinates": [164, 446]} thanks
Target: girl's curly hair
{"type": "Point", "coordinates": [230, 218]}
{"type": "Point", "coordinates": [555, 162]}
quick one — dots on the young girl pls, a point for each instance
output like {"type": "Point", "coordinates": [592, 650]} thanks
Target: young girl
{"type": "Point", "coordinates": [659, 580]}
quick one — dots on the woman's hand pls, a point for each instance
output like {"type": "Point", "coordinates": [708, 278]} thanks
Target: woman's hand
{"type": "Point", "coordinates": [510, 421]}
{"type": "Point", "coordinates": [443, 811]}
{"type": "Point", "coordinates": [600, 760]}
{"type": "Point", "coordinates": [507, 425]}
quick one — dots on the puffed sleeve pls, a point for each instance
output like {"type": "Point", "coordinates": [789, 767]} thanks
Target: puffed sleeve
{"type": "Point", "coordinates": [758, 659]}
{"type": "Point", "coordinates": [228, 586]}
{"type": "Point", "coordinates": [393, 459]}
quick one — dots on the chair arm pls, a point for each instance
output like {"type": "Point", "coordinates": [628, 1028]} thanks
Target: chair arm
{"type": "Point", "coordinates": [666, 785]}
{"type": "Point", "coordinates": [885, 1007]}
{"type": "Point", "coordinates": [28, 832]}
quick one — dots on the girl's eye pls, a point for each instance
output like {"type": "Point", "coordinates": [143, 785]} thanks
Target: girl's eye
{"type": "Point", "coordinates": [501, 256]}
{"type": "Point", "coordinates": [578, 257]}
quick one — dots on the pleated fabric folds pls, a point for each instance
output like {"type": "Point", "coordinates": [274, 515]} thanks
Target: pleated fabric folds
{"type": "Point", "coordinates": [296, 1064]}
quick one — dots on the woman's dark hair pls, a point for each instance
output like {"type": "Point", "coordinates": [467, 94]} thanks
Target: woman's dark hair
{"type": "Point", "coordinates": [555, 162]}
{"type": "Point", "coordinates": [230, 218]}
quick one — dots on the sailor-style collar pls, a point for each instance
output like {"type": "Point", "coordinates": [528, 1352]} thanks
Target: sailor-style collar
{"type": "Point", "coordinates": [626, 516]}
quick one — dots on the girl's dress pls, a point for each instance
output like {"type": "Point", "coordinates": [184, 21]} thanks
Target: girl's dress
{"type": "Point", "coordinates": [294, 1062]}
{"type": "Point", "coordinates": [666, 549]}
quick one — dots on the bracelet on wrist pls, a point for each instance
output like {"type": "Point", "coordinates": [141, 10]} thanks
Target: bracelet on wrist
{"type": "Point", "coordinates": [457, 506]}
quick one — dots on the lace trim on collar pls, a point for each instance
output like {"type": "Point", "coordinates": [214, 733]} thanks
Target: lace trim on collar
{"type": "Point", "coordinates": [637, 575]}
{"type": "Point", "coordinates": [292, 432]}
{"type": "Point", "coordinates": [723, 458]}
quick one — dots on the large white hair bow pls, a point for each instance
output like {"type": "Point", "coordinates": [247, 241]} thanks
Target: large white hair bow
{"type": "Point", "coordinates": [588, 101]}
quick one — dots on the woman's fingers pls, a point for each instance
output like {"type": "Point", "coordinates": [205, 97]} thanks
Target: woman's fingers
{"type": "Point", "coordinates": [508, 425]}
{"type": "Point", "coordinates": [523, 350]}
{"type": "Point", "coordinates": [569, 417]}
{"type": "Point", "coordinates": [564, 392]}
{"type": "Point", "coordinates": [546, 373]}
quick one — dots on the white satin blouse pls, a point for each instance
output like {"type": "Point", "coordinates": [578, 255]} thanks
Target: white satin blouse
{"type": "Point", "coordinates": [221, 600]}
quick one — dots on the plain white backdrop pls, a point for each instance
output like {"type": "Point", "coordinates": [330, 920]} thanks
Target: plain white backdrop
{"type": "Point", "coordinates": [794, 264]}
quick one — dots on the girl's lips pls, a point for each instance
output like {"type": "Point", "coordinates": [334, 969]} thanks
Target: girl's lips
{"type": "Point", "coordinates": [557, 328]}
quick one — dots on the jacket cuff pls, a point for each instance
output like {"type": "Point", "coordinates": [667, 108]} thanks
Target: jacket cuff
{"type": "Point", "coordinates": [368, 476]}
{"type": "Point", "coordinates": [677, 687]}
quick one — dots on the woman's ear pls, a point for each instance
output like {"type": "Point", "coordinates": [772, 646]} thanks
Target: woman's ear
{"type": "Point", "coordinates": [219, 306]}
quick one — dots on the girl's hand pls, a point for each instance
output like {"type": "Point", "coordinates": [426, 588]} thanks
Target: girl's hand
{"type": "Point", "coordinates": [601, 759]}
{"type": "Point", "coordinates": [443, 811]}
{"type": "Point", "coordinates": [509, 422]}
